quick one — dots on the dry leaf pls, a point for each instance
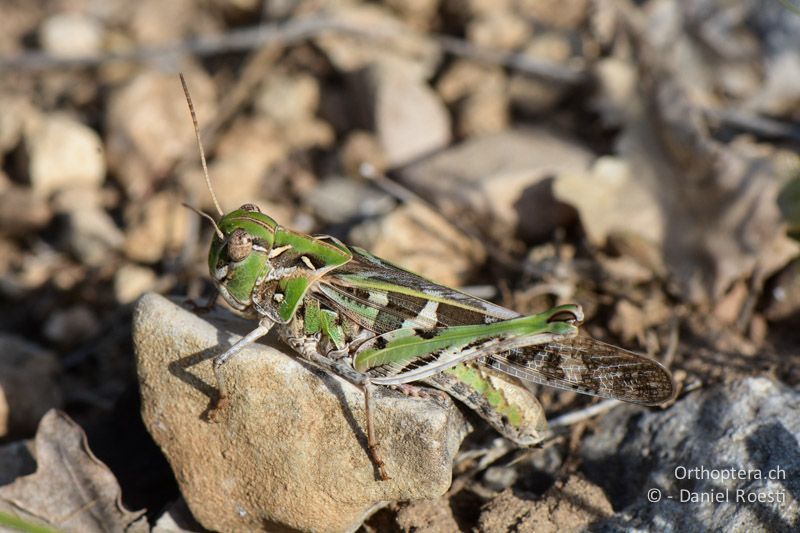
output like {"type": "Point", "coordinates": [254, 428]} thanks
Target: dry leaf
{"type": "Point", "coordinates": [71, 489]}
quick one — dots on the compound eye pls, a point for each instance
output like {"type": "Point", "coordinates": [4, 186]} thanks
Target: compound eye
{"type": "Point", "coordinates": [251, 207]}
{"type": "Point", "coordinates": [240, 243]}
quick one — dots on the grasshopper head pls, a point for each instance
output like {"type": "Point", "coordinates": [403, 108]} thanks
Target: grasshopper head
{"type": "Point", "coordinates": [238, 257]}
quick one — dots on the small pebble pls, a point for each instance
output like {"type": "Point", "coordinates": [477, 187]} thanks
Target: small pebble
{"type": "Point", "coordinates": [64, 153]}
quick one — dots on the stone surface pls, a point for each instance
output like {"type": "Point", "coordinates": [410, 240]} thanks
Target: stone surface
{"type": "Point", "coordinates": [419, 239]}
{"type": "Point", "coordinates": [155, 227]}
{"type": "Point", "coordinates": [711, 444]}
{"type": "Point", "coordinates": [92, 236]}
{"type": "Point", "coordinates": [337, 200]}
{"type": "Point", "coordinates": [23, 364]}
{"type": "Point", "coordinates": [535, 96]}
{"type": "Point", "coordinates": [244, 156]}
{"type": "Point", "coordinates": [566, 15]}
{"type": "Point", "coordinates": [64, 153]}
{"type": "Point", "coordinates": [412, 52]}
{"type": "Point", "coordinates": [610, 198]}
{"type": "Point", "coordinates": [503, 181]}
{"type": "Point", "coordinates": [71, 35]}
{"type": "Point", "coordinates": [290, 450]}
{"type": "Point", "coordinates": [148, 125]}
{"type": "Point", "coordinates": [16, 111]}
{"type": "Point", "coordinates": [22, 212]}
{"type": "Point", "coordinates": [131, 281]}
{"type": "Point", "coordinates": [406, 114]}
{"type": "Point", "coordinates": [569, 505]}
{"type": "Point", "coordinates": [502, 30]}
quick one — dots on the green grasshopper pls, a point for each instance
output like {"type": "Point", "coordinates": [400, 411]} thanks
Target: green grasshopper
{"type": "Point", "coordinates": [373, 323]}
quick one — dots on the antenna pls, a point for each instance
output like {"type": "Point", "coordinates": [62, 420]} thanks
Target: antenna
{"type": "Point", "coordinates": [209, 217]}
{"type": "Point", "coordinates": [202, 153]}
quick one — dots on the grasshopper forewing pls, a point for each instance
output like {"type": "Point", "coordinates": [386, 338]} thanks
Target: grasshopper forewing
{"type": "Point", "coordinates": [374, 323]}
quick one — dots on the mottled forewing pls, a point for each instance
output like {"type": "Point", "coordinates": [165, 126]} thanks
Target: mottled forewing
{"type": "Point", "coordinates": [588, 366]}
{"type": "Point", "coordinates": [382, 297]}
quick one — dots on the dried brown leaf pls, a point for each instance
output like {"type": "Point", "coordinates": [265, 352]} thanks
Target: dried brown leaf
{"type": "Point", "coordinates": [71, 489]}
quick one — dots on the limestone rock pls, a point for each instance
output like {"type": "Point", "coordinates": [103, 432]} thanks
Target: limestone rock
{"type": "Point", "coordinates": [503, 181]}
{"type": "Point", "coordinates": [407, 115]}
{"type": "Point", "coordinates": [64, 153]}
{"type": "Point", "coordinates": [71, 35]}
{"type": "Point", "coordinates": [155, 227]}
{"type": "Point", "coordinates": [734, 443]}
{"type": "Point", "coordinates": [570, 505]}
{"type": "Point", "coordinates": [92, 236]}
{"type": "Point", "coordinates": [290, 449]}
{"type": "Point", "coordinates": [131, 281]}
{"type": "Point", "coordinates": [413, 52]}
{"type": "Point", "coordinates": [148, 125]}
{"type": "Point", "coordinates": [418, 239]}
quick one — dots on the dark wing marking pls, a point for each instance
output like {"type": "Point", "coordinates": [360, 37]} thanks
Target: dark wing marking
{"type": "Point", "coordinates": [588, 366]}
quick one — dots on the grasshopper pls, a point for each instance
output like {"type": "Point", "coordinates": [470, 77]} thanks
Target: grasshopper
{"type": "Point", "coordinates": [376, 324]}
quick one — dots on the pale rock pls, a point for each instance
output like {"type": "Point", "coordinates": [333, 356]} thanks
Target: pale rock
{"type": "Point", "coordinates": [131, 281]}
{"type": "Point", "coordinates": [149, 128]}
{"type": "Point", "coordinates": [418, 14]}
{"type": "Point", "coordinates": [28, 387]}
{"type": "Point", "coordinates": [92, 236]}
{"type": "Point", "coordinates": [76, 198]}
{"type": "Point", "coordinates": [408, 117]}
{"type": "Point", "coordinates": [71, 35]}
{"type": "Point", "coordinates": [155, 227]}
{"type": "Point", "coordinates": [401, 50]}
{"type": "Point", "coordinates": [463, 78]}
{"type": "Point", "coordinates": [362, 148]}
{"type": "Point", "coordinates": [22, 212]}
{"type": "Point", "coordinates": [501, 30]}
{"type": "Point", "coordinates": [480, 94]}
{"type": "Point", "coordinates": [244, 156]}
{"type": "Point", "coordinates": [64, 153]}
{"type": "Point", "coordinates": [421, 240]}
{"type": "Point", "coordinates": [289, 451]}
{"type": "Point", "coordinates": [555, 13]}
{"type": "Point", "coordinates": [291, 101]}
{"type": "Point", "coordinates": [427, 516]}
{"type": "Point", "coordinates": [337, 200]}
{"type": "Point", "coordinates": [709, 444]}
{"type": "Point", "coordinates": [313, 133]}
{"type": "Point", "coordinates": [537, 96]}
{"type": "Point", "coordinates": [71, 326]}
{"type": "Point", "coordinates": [483, 112]}
{"type": "Point", "coordinates": [503, 181]}
{"type": "Point", "coordinates": [616, 81]}
{"type": "Point", "coordinates": [15, 112]}
{"type": "Point", "coordinates": [288, 98]}
{"type": "Point", "coordinates": [610, 199]}
{"type": "Point", "coordinates": [570, 505]}
{"type": "Point", "coordinates": [153, 22]}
